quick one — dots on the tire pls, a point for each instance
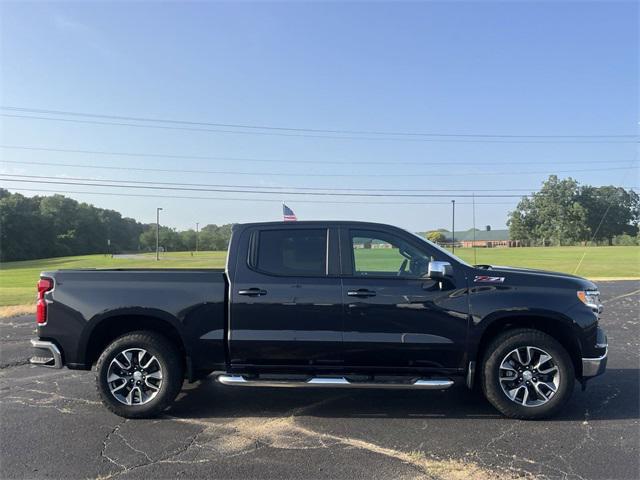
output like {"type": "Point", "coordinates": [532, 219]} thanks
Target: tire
{"type": "Point", "coordinates": [502, 360]}
{"type": "Point", "coordinates": [151, 380]}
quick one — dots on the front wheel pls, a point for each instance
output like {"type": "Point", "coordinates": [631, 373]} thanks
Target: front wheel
{"type": "Point", "coordinates": [527, 374]}
{"type": "Point", "coordinates": [139, 375]}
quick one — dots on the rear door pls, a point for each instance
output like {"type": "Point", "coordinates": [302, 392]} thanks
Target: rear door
{"type": "Point", "coordinates": [286, 300]}
{"type": "Point", "coordinates": [394, 315]}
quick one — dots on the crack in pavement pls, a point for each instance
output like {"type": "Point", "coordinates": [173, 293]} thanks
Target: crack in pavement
{"type": "Point", "coordinates": [105, 444]}
{"type": "Point", "coordinates": [286, 433]}
{"type": "Point", "coordinates": [18, 363]}
{"type": "Point", "coordinates": [240, 436]}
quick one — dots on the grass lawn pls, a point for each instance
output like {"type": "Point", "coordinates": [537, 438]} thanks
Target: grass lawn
{"type": "Point", "coordinates": [18, 279]}
{"type": "Point", "coordinates": [598, 262]}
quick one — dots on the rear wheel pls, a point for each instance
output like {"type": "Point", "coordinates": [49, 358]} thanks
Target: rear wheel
{"type": "Point", "coordinates": [527, 374]}
{"type": "Point", "coordinates": [139, 375]}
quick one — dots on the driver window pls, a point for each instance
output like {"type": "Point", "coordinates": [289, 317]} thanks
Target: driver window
{"type": "Point", "coordinates": [383, 254]}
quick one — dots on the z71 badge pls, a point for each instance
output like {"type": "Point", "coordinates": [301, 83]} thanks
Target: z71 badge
{"type": "Point", "coordinates": [488, 279]}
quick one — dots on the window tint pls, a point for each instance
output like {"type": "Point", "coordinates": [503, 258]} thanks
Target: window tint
{"type": "Point", "coordinates": [383, 254]}
{"type": "Point", "coordinates": [293, 252]}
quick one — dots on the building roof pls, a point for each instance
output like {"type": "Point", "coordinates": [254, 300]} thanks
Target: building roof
{"type": "Point", "coordinates": [482, 235]}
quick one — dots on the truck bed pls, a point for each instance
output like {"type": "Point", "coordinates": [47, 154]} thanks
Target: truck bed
{"type": "Point", "coordinates": [192, 301]}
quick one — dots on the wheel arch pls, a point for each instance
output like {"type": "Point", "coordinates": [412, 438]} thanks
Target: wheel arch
{"type": "Point", "coordinates": [104, 330]}
{"type": "Point", "coordinates": [560, 329]}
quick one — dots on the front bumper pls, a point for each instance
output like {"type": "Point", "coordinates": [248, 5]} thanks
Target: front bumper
{"type": "Point", "coordinates": [47, 354]}
{"type": "Point", "coordinates": [594, 366]}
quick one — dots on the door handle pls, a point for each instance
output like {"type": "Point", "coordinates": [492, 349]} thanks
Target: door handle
{"type": "Point", "coordinates": [252, 292]}
{"type": "Point", "coordinates": [362, 292]}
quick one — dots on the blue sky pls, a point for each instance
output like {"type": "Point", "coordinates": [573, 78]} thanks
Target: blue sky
{"type": "Point", "coordinates": [504, 68]}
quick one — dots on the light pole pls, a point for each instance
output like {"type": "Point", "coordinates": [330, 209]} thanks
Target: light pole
{"type": "Point", "coordinates": [158, 232]}
{"type": "Point", "coordinates": [453, 227]}
{"type": "Point", "coordinates": [197, 224]}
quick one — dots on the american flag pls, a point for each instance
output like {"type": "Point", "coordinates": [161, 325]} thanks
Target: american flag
{"type": "Point", "coordinates": [288, 214]}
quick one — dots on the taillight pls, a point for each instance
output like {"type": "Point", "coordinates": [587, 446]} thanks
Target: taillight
{"type": "Point", "coordinates": [44, 285]}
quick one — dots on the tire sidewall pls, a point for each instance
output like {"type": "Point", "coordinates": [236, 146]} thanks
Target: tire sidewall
{"type": "Point", "coordinates": [171, 374]}
{"type": "Point", "coordinates": [491, 384]}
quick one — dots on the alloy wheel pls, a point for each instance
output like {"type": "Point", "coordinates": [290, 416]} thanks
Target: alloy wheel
{"type": "Point", "coordinates": [134, 376]}
{"type": "Point", "coordinates": [529, 376]}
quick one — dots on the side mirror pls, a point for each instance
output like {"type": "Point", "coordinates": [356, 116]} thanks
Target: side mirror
{"type": "Point", "coordinates": [439, 270]}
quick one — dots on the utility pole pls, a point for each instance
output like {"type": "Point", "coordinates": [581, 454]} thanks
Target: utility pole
{"type": "Point", "coordinates": [475, 252]}
{"type": "Point", "coordinates": [158, 232]}
{"type": "Point", "coordinates": [453, 226]}
{"type": "Point", "coordinates": [197, 224]}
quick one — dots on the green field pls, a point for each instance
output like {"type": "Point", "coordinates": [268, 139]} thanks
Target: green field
{"type": "Point", "coordinates": [17, 279]}
{"type": "Point", "coordinates": [598, 262]}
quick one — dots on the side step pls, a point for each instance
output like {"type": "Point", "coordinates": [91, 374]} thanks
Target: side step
{"type": "Point", "coordinates": [334, 382]}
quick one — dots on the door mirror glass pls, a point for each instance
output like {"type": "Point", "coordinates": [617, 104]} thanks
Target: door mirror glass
{"type": "Point", "coordinates": [439, 270]}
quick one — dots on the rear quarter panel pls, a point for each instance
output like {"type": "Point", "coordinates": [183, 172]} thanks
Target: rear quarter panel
{"type": "Point", "coordinates": [192, 301]}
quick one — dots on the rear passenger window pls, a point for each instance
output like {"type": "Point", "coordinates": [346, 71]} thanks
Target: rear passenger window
{"type": "Point", "coordinates": [292, 252]}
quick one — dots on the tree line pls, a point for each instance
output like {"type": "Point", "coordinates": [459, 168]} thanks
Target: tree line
{"type": "Point", "coordinates": [561, 213]}
{"type": "Point", "coordinates": [58, 226]}
{"type": "Point", "coordinates": [565, 213]}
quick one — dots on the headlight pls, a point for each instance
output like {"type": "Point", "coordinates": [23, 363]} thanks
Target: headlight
{"type": "Point", "coordinates": [591, 298]}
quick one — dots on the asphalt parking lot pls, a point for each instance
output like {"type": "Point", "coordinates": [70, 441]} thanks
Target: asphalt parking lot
{"type": "Point", "coordinates": [53, 425]}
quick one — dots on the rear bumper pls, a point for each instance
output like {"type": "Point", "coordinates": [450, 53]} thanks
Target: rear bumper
{"type": "Point", "coordinates": [594, 366]}
{"type": "Point", "coordinates": [47, 354]}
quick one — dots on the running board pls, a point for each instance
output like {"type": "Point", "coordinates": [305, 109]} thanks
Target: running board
{"type": "Point", "coordinates": [335, 382]}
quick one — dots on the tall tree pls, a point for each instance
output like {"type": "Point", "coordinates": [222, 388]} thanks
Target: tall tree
{"type": "Point", "coordinates": [38, 227]}
{"type": "Point", "coordinates": [610, 211]}
{"type": "Point", "coordinates": [436, 236]}
{"type": "Point", "coordinates": [23, 232]}
{"type": "Point", "coordinates": [553, 214]}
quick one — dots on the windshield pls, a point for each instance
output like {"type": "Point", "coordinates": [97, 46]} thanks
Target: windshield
{"type": "Point", "coordinates": [444, 251]}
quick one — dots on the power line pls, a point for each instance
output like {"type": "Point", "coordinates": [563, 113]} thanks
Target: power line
{"type": "Point", "coordinates": [276, 188]}
{"type": "Point", "coordinates": [292, 129]}
{"type": "Point", "coordinates": [239, 132]}
{"type": "Point", "coordinates": [297, 162]}
{"type": "Point", "coordinates": [215, 188]}
{"type": "Point", "coordinates": [170, 186]}
{"type": "Point", "coordinates": [268, 200]}
{"type": "Point", "coordinates": [175, 170]}
{"type": "Point", "coordinates": [361, 175]}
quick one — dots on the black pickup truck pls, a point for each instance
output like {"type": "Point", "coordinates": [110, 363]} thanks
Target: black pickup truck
{"type": "Point", "coordinates": [325, 304]}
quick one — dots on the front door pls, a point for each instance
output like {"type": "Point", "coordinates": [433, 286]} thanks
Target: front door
{"type": "Point", "coordinates": [286, 302]}
{"type": "Point", "coordinates": [394, 315]}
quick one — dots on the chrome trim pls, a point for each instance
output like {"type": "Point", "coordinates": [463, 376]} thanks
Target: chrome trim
{"type": "Point", "coordinates": [52, 348]}
{"type": "Point", "coordinates": [438, 269]}
{"type": "Point", "coordinates": [335, 382]}
{"type": "Point", "coordinates": [592, 367]}
{"type": "Point", "coordinates": [436, 384]}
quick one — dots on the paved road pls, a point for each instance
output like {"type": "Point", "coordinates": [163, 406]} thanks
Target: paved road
{"type": "Point", "coordinates": [53, 425]}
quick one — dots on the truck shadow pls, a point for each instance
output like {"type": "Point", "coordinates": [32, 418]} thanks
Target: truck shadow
{"type": "Point", "coordinates": [616, 395]}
